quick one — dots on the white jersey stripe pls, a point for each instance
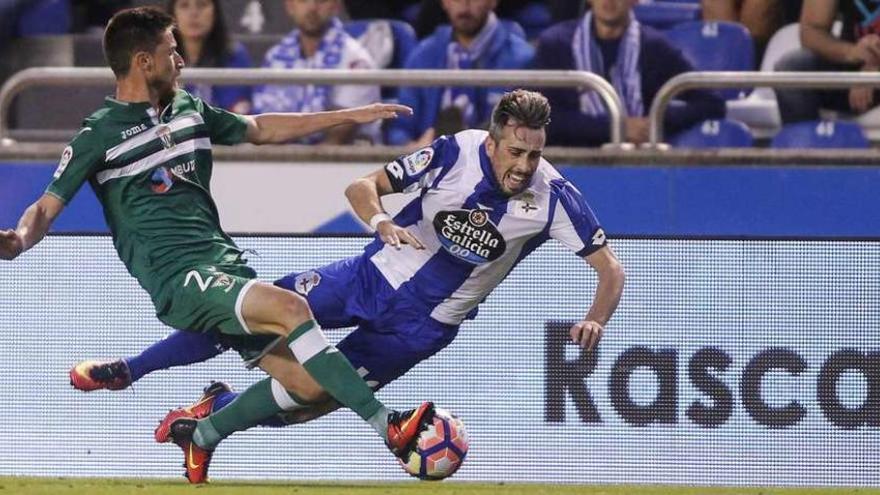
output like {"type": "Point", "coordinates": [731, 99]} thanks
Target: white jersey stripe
{"type": "Point", "coordinates": [156, 158]}
{"type": "Point", "coordinates": [151, 134]}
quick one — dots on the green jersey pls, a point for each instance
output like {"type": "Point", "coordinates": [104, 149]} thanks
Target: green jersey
{"type": "Point", "coordinates": [152, 173]}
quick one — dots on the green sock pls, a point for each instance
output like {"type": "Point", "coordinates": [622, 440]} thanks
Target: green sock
{"type": "Point", "coordinates": [334, 372]}
{"type": "Point", "coordinates": [261, 401]}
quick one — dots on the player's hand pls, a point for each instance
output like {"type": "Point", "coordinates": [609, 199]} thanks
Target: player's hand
{"type": "Point", "coordinates": [586, 334]}
{"type": "Point", "coordinates": [379, 111]}
{"type": "Point", "coordinates": [11, 244]}
{"type": "Point", "coordinates": [395, 235]}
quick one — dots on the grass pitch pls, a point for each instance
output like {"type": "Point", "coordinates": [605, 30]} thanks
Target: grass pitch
{"type": "Point", "coordinates": [93, 486]}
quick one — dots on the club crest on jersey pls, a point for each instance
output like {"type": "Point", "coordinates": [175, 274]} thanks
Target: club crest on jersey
{"type": "Point", "coordinates": [418, 161]}
{"type": "Point", "coordinates": [306, 281]}
{"type": "Point", "coordinates": [164, 133]}
{"type": "Point", "coordinates": [161, 180]}
{"type": "Point", "coordinates": [469, 235]}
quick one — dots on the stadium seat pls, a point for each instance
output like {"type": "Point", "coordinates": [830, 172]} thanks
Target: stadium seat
{"type": "Point", "coordinates": [716, 46]}
{"type": "Point", "coordinates": [821, 134]}
{"type": "Point", "coordinates": [714, 134]}
{"type": "Point", "coordinates": [666, 14]}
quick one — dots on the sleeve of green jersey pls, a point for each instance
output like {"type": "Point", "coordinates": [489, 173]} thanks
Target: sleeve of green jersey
{"type": "Point", "coordinates": [79, 161]}
{"type": "Point", "coordinates": [223, 127]}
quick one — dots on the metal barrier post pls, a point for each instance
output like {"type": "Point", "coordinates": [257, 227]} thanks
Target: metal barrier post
{"type": "Point", "coordinates": [721, 80]}
{"type": "Point", "coordinates": [52, 76]}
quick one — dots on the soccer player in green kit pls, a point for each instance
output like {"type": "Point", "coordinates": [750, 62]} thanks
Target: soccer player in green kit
{"type": "Point", "coordinates": [147, 155]}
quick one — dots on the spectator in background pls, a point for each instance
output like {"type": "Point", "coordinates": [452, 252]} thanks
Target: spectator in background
{"type": "Point", "coordinates": [318, 42]}
{"type": "Point", "coordinates": [203, 41]}
{"type": "Point", "coordinates": [635, 59]}
{"type": "Point", "coordinates": [476, 39]}
{"type": "Point", "coordinates": [858, 49]}
{"type": "Point", "coordinates": [761, 17]}
{"type": "Point", "coordinates": [431, 12]}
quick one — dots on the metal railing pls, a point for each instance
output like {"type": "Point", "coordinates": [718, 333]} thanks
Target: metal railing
{"type": "Point", "coordinates": [724, 80]}
{"type": "Point", "coordinates": [81, 76]}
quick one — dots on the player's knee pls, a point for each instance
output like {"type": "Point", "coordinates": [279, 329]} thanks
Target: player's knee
{"type": "Point", "coordinates": [292, 311]}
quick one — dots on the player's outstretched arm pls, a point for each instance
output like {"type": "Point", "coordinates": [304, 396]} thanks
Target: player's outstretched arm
{"type": "Point", "coordinates": [278, 128]}
{"type": "Point", "coordinates": [364, 194]}
{"type": "Point", "coordinates": [32, 227]}
{"type": "Point", "coordinates": [588, 332]}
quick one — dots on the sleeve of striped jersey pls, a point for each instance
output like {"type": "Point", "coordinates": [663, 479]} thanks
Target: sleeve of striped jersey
{"type": "Point", "coordinates": [573, 222]}
{"type": "Point", "coordinates": [224, 127]}
{"type": "Point", "coordinates": [80, 160]}
{"type": "Point", "coordinates": [418, 170]}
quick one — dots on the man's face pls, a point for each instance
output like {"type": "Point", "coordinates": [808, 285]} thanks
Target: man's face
{"type": "Point", "coordinates": [515, 156]}
{"type": "Point", "coordinates": [312, 17]}
{"type": "Point", "coordinates": [612, 12]}
{"type": "Point", "coordinates": [163, 66]}
{"type": "Point", "coordinates": [468, 16]}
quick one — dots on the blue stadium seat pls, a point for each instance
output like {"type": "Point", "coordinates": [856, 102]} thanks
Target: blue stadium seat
{"type": "Point", "coordinates": [714, 134]}
{"type": "Point", "coordinates": [404, 37]}
{"type": "Point", "coordinates": [820, 134]}
{"type": "Point", "coordinates": [666, 14]}
{"type": "Point", "coordinates": [715, 46]}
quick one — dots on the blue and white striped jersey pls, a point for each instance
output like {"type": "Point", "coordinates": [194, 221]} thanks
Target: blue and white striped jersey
{"type": "Point", "coordinates": [473, 234]}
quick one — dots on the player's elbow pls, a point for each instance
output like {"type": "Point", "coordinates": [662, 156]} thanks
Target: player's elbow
{"type": "Point", "coordinates": [613, 272]}
{"type": "Point", "coordinates": [356, 188]}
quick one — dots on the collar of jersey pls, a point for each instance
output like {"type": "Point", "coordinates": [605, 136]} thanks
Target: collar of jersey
{"type": "Point", "coordinates": [486, 165]}
{"type": "Point", "coordinates": [138, 106]}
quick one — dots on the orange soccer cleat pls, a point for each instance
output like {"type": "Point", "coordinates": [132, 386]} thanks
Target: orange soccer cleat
{"type": "Point", "coordinates": [200, 409]}
{"type": "Point", "coordinates": [96, 375]}
{"type": "Point", "coordinates": [404, 428]}
{"type": "Point", "coordinates": [195, 459]}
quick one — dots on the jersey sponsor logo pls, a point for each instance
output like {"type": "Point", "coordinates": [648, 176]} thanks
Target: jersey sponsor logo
{"type": "Point", "coordinates": [306, 281]}
{"type": "Point", "coordinates": [66, 156]}
{"type": "Point", "coordinates": [133, 130]}
{"type": "Point", "coordinates": [164, 134]}
{"type": "Point", "coordinates": [161, 180]}
{"type": "Point", "coordinates": [469, 235]}
{"type": "Point", "coordinates": [195, 275]}
{"type": "Point", "coordinates": [599, 238]}
{"type": "Point", "coordinates": [418, 161]}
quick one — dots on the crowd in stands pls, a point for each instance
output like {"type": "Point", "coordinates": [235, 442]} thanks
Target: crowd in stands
{"type": "Point", "coordinates": [637, 46]}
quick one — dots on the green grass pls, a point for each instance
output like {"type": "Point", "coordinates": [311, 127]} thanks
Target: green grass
{"type": "Point", "coordinates": [93, 486]}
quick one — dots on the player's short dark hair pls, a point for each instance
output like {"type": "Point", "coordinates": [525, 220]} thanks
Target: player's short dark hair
{"type": "Point", "coordinates": [131, 31]}
{"type": "Point", "coordinates": [528, 108]}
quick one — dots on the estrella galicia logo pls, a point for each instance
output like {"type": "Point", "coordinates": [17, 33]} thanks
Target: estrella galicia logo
{"type": "Point", "coordinates": [161, 180]}
{"type": "Point", "coordinates": [469, 235]}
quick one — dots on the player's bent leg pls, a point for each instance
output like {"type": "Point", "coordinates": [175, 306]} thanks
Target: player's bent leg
{"type": "Point", "coordinates": [267, 308]}
{"type": "Point", "coordinates": [180, 348]}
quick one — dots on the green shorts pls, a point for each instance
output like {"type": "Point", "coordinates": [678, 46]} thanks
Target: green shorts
{"type": "Point", "coordinates": [206, 298]}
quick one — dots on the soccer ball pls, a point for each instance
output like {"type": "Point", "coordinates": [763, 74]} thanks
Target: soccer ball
{"type": "Point", "coordinates": [440, 450]}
